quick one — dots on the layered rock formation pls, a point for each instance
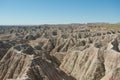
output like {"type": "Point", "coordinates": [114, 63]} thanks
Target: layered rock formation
{"type": "Point", "coordinates": [22, 62]}
{"type": "Point", "coordinates": [60, 52]}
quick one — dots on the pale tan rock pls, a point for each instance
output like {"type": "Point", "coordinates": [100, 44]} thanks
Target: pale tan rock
{"type": "Point", "coordinates": [60, 52]}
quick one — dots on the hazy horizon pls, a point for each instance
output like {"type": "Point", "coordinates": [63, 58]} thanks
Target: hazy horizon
{"type": "Point", "coordinates": [38, 12]}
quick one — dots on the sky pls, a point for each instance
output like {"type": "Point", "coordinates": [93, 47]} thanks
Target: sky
{"type": "Point", "coordinates": [35, 12]}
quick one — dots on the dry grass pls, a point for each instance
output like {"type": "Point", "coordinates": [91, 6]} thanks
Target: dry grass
{"type": "Point", "coordinates": [105, 27]}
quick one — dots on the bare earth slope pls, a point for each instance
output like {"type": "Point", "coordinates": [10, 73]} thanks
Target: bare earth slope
{"type": "Point", "coordinates": [60, 52]}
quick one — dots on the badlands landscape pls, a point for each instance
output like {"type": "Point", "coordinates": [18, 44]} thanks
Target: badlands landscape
{"type": "Point", "coordinates": [60, 52]}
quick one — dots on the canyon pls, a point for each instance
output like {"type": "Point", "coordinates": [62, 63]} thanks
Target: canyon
{"type": "Point", "coordinates": [60, 52]}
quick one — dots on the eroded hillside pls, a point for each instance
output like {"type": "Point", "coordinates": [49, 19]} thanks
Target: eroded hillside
{"type": "Point", "coordinates": [60, 52]}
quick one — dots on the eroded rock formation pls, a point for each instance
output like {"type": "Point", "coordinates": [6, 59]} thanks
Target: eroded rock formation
{"type": "Point", "coordinates": [60, 52]}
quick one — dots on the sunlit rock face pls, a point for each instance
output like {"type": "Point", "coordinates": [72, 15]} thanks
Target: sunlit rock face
{"type": "Point", "coordinates": [60, 52]}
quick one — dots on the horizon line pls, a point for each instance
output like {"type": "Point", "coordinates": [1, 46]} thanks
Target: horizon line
{"type": "Point", "coordinates": [59, 24]}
